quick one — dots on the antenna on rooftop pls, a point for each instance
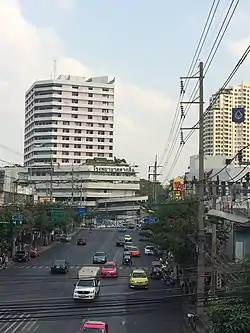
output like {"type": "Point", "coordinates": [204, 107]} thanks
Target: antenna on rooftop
{"type": "Point", "coordinates": [54, 69]}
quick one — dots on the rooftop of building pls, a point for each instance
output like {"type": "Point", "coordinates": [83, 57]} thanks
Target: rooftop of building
{"type": "Point", "coordinates": [74, 80]}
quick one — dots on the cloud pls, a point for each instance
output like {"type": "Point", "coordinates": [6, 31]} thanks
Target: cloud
{"type": "Point", "coordinates": [27, 54]}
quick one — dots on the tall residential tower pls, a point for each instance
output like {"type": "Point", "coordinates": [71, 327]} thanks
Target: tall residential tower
{"type": "Point", "coordinates": [221, 135]}
{"type": "Point", "coordinates": [69, 120]}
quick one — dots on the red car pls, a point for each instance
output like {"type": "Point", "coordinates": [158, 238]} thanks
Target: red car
{"type": "Point", "coordinates": [109, 269]}
{"type": "Point", "coordinates": [82, 241]}
{"type": "Point", "coordinates": [94, 327]}
{"type": "Point", "coordinates": [134, 251]}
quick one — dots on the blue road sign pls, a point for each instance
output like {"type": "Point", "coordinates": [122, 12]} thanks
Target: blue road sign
{"type": "Point", "coordinates": [17, 219]}
{"type": "Point", "coordinates": [82, 211]}
{"type": "Point", "coordinates": [149, 220]}
{"type": "Point", "coordinates": [238, 115]}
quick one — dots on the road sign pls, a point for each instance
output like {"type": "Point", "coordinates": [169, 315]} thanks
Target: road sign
{"type": "Point", "coordinates": [149, 220]}
{"type": "Point", "coordinates": [17, 219]}
{"type": "Point", "coordinates": [238, 115]}
{"type": "Point", "coordinates": [82, 211]}
{"type": "Point", "coordinates": [58, 215]}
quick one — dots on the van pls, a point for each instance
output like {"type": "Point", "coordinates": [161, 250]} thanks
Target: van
{"type": "Point", "coordinates": [88, 284]}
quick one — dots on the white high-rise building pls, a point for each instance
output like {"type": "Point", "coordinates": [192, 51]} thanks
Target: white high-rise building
{"type": "Point", "coordinates": [221, 135]}
{"type": "Point", "coordinates": [69, 120]}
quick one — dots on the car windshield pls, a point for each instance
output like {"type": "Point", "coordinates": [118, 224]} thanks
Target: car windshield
{"type": "Point", "coordinates": [93, 330]}
{"type": "Point", "coordinates": [59, 262]}
{"type": "Point", "coordinates": [134, 248]}
{"type": "Point", "coordinates": [85, 283]}
{"type": "Point", "coordinates": [20, 253]}
{"type": "Point", "coordinates": [127, 236]}
{"type": "Point", "coordinates": [109, 266]}
{"type": "Point", "coordinates": [139, 275]}
{"type": "Point", "coordinates": [100, 254]}
{"type": "Point", "coordinates": [149, 247]}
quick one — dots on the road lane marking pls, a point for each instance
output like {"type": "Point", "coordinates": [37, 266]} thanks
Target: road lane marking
{"type": "Point", "coordinates": [46, 266]}
{"type": "Point", "coordinates": [27, 266]}
{"type": "Point", "coordinates": [41, 267]}
{"type": "Point", "coordinates": [33, 266]}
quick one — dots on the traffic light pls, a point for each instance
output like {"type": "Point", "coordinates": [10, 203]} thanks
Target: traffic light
{"type": "Point", "coordinates": [240, 156]}
{"type": "Point", "coordinates": [247, 177]}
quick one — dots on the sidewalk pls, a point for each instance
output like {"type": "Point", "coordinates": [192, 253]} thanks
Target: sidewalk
{"type": "Point", "coordinates": [43, 248]}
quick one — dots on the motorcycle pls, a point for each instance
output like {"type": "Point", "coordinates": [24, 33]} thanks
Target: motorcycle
{"type": "Point", "coordinates": [127, 261]}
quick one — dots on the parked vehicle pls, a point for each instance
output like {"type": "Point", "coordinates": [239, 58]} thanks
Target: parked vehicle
{"type": "Point", "coordinates": [22, 256]}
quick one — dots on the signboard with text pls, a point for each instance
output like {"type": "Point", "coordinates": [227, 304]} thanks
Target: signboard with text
{"type": "Point", "coordinates": [114, 169]}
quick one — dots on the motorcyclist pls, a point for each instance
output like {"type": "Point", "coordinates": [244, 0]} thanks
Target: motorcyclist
{"type": "Point", "coordinates": [127, 259]}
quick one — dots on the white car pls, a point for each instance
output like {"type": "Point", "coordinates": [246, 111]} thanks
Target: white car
{"type": "Point", "coordinates": [149, 250]}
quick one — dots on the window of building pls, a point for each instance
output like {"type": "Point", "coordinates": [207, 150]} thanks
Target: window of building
{"type": "Point", "coordinates": [90, 102]}
{"type": "Point", "coordinates": [100, 147]}
{"type": "Point", "coordinates": [75, 93]}
{"type": "Point", "coordinates": [89, 154]}
{"type": "Point", "coordinates": [90, 110]}
{"type": "Point", "coordinates": [100, 139]}
{"type": "Point", "coordinates": [76, 153]}
{"type": "Point", "coordinates": [89, 147]}
{"type": "Point", "coordinates": [77, 146]}
{"type": "Point", "coordinates": [105, 118]}
{"type": "Point", "coordinates": [74, 101]}
{"type": "Point", "coordinates": [65, 153]}
{"type": "Point", "coordinates": [74, 116]}
{"type": "Point", "coordinates": [75, 87]}
{"type": "Point", "coordinates": [74, 108]}
{"type": "Point", "coordinates": [78, 131]}
{"type": "Point", "coordinates": [65, 130]}
{"type": "Point", "coordinates": [90, 117]}
{"type": "Point", "coordinates": [90, 95]}
{"type": "Point", "coordinates": [65, 145]}
{"type": "Point", "coordinates": [66, 123]}
{"type": "Point", "coordinates": [77, 138]}
{"type": "Point", "coordinates": [65, 138]}
{"type": "Point", "coordinates": [89, 132]}
{"type": "Point", "coordinates": [65, 160]}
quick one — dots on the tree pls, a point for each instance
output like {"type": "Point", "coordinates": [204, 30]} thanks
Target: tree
{"type": "Point", "coordinates": [228, 314]}
{"type": "Point", "coordinates": [177, 229]}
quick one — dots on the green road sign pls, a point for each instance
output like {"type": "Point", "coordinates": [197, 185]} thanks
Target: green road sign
{"type": "Point", "coordinates": [57, 215]}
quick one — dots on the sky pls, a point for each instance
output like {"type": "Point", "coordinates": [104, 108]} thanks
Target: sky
{"type": "Point", "coordinates": [147, 45]}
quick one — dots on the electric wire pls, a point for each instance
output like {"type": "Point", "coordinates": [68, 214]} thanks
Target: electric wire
{"type": "Point", "coordinates": [207, 65]}
{"type": "Point", "coordinates": [201, 42]}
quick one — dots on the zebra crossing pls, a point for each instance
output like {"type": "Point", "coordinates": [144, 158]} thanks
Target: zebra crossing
{"type": "Point", "coordinates": [71, 268]}
{"type": "Point", "coordinates": [11, 322]}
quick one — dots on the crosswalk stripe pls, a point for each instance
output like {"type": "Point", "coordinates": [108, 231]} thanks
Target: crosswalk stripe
{"type": "Point", "coordinates": [11, 323]}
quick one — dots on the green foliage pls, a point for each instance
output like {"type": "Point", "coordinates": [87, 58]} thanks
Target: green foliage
{"type": "Point", "coordinates": [176, 229]}
{"type": "Point", "coordinates": [231, 314]}
{"type": "Point", "coordinates": [36, 217]}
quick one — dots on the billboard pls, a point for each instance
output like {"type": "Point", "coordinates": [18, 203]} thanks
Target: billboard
{"type": "Point", "coordinates": [178, 187]}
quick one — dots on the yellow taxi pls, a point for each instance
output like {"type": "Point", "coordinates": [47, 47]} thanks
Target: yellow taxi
{"type": "Point", "coordinates": [127, 238]}
{"type": "Point", "coordinates": [138, 278]}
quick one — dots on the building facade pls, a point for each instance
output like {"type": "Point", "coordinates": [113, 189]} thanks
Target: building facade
{"type": "Point", "coordinates": [221, 135]}
{"type": "Point", "coordinates": [69, 120]}
{"type": "Point", "coordinates": [103, 185]}
{"type": "Point", "coordinates": [15, 187]}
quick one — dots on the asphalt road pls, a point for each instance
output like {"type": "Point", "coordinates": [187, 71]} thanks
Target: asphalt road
{"type": "Point", "coordinates": [29, 294]}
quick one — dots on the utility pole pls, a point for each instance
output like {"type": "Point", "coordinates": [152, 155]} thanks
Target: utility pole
{"type": "Point", "coordinates": [72, 183]}
{"type": "Point", "coordinates": [214, 239]}
{"type": "Point", "coordinates": [201, 230]}
{"type": "Point", "coordinates": [201, 227]}
{"type": "Point", "coordinates": [51, 179]}
{"type": "Point", "coordinates": [154, 175]}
